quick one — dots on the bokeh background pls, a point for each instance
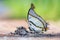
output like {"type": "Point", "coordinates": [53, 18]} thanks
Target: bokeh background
{"type": "Point", "coordinates": [18, 9]}
{"type": "Point", "coordinates": [13, 14]}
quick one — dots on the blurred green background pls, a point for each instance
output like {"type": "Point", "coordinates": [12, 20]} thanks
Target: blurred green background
{"type": "Point", "coordinates": [48, 9]}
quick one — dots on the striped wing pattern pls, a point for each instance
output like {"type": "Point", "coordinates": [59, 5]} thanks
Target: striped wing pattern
{"type": "Point", "coordinates": [35, 24]}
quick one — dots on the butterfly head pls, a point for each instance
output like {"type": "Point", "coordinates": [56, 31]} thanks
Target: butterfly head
{"type": "Point", "coordinates": [32, 6]}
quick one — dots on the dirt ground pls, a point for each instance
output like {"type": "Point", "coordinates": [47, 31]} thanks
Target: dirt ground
{"type": "Point", "coordinates": [7, 26]}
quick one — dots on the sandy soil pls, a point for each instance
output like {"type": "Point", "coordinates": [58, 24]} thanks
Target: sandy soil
{"type": "Point", "coordinates": [7, 26]}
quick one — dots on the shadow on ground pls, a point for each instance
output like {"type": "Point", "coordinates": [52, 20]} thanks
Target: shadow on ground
{"type": "Point", "coordinates": [45, 35]}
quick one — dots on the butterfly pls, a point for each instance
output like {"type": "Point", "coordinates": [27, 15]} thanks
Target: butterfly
{"type": "Point", "coordinates": [36, 23]}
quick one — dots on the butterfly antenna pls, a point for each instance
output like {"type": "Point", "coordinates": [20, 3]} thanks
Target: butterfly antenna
{"type": "Point", "coordinates": [32, 6]}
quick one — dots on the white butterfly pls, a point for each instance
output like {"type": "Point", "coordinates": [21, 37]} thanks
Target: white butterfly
{"type": "Point", "coordinates": [36, 23]}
